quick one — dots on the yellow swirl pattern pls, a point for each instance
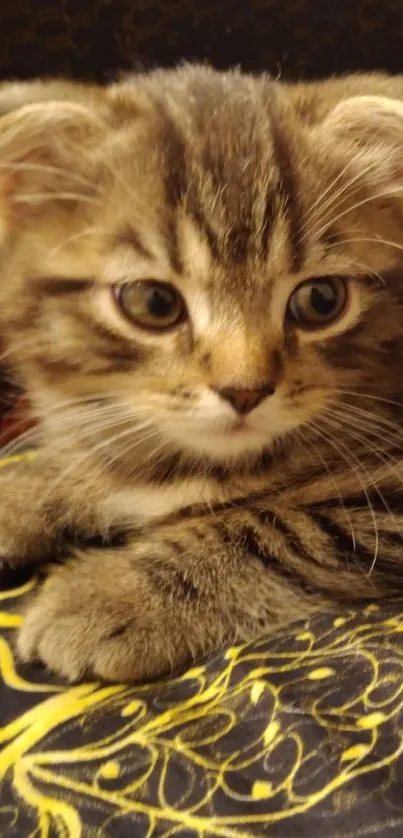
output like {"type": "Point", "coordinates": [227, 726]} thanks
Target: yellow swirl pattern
{"type": "Point", "coordinates": [300, 734]}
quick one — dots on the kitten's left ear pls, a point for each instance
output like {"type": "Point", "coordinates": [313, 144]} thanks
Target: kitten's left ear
{"type": "Point", "coordinates": [371, 127]}
{"type": "Point", "coordinates": [46, 150]}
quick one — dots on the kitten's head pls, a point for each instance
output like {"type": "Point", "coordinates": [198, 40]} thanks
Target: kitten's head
{"type": "Point", "coordinates": [214, 256]}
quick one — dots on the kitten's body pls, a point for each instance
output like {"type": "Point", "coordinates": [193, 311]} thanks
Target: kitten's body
{"type": "Point", "coordinates": [234, 190]}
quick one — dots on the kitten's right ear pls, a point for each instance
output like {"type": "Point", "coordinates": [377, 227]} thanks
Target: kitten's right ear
{"type": "Point", "coordinates": [371, 127]}
{"type": "Point", "coordinates": [46, 147]}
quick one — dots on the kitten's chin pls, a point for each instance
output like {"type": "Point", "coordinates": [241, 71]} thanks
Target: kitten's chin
{"type": "Point", "coordinates": [236, 443]}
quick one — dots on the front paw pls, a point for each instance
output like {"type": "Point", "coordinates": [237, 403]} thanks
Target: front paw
{"type": "Point", "coordinates": [96, 618]}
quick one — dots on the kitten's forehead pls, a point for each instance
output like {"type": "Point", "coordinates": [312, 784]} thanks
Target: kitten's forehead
{"type": "Point", "coordinates": [227, 162]}
{"type": "Point", "coordinates": [232, 185]}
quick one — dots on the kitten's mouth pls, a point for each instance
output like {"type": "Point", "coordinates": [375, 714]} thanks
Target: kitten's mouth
{"type": "Point", "coordinates": [239, 427]}
{"type": "Point", "coordinates": [234, 429]}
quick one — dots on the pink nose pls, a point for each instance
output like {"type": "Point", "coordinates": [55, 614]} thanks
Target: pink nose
{"type": "Point", "coordinates": [244, 401]}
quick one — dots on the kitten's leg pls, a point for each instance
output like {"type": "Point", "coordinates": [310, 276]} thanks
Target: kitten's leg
{"type": "Point", "coordinates": [147, 609]}
{"type": "Point", "coordinates": [26, 531]}
{"type": "Point", "coordinates": [34, 512]}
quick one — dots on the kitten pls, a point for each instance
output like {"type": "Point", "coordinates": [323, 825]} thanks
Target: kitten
{"type": "Point", "coordinates": [201, 289]}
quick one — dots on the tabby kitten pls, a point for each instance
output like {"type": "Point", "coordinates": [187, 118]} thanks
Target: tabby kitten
{"type": "Point", "coordinates": [201, 289]}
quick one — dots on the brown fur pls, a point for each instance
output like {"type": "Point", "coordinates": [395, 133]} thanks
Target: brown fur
{"type": "Point", "coordinates": [234, 189]}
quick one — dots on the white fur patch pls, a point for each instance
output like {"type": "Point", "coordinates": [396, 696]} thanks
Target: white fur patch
{"type": "Point", "coordinates": [195, 251]}
{"type": "Point", "coordinates": [200, 309]}
{"type": "Point", "coordinates": [144, 503]}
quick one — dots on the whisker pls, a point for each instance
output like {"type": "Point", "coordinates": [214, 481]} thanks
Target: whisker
{"type": "Point", "coordinates": [125, 450]}
{"type": "Point", "coordinates": [46, 168]}
{"type": "Point", "coordinates": [362, 395]}
{"type": "Point", "coordinates": [90, 231]}
{"type": "Point", "coordinates": [376, 450]}
{"type": "Point", "coordinates": [26, 439]}
{"type": "Point", "coordinates": [33, 435]}
{"type": "Point", "coordinates": [54, 196]}
{"type": "Point", "coordinates": [355, 465]}
{"type": "Point", "coordinates": [355, 179]}
{"type": "Point", "coordinates": [15, 349]}
{"type": "Point", "coordinates": [101, 446]}
{"type": "Point", "coordinates": [373, 423]}
{"type": "Point", "coordinates": [375, 197]}
{"type": "Point", "coordinates": [333, 480]}
{"type": "Point", "coordinates": [367, 240]}
{"type": "Point", "coordinates": [341, 425]}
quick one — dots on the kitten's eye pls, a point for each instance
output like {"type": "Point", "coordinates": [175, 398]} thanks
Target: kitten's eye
{"type": "Point", "coordinates": [318, 302]}
{"type": "Point", "coordinates": [151, 304]}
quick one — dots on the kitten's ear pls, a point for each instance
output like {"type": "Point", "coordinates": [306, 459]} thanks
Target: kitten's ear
{"type": "Point", "coordinates": [46, 147]}
{"type": "Point", "coordinates": [372, 127]}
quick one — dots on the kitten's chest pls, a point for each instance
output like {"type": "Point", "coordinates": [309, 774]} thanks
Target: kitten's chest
{"type": "Point", "coordinates": [146, 502]}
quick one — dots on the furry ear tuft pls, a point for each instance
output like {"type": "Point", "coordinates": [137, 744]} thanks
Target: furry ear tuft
{"type": "Point", "coordinates": [371, 129]}
{"type": "Point", "coordinates": [363, 119]}
{"type": "Point", "coordinates": [46, 151]}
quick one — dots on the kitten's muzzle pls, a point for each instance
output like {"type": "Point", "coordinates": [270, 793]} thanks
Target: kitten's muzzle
{"type": "Point", "coordinates": [244, 401]}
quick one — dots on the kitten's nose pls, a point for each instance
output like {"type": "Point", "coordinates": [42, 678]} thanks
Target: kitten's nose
{"type": "Point", "coordinates": [243, 401]}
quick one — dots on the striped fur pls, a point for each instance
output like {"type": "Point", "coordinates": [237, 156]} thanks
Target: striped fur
{"type": "Point", "coordinates": [235, 190]}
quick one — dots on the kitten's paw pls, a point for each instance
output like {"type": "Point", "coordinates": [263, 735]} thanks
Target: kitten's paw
{"type": "Point", "coordinates": [79, 632]}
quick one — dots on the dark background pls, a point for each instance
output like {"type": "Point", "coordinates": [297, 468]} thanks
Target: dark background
{"type": "Point", "coordinates": [96, 39]}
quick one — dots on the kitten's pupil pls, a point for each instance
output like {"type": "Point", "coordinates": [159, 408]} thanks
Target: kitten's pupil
{"type": "Point", "coordinates": [161, 302]}
{"type": "Point", "coordinates": [323, 299]}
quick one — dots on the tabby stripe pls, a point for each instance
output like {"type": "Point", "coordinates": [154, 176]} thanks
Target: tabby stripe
{"type": "Point", "coordinates": [248, 537]}
{"type": "Point", "coordinates": [268, 519]}
{"type": "Point", "coordinates": [130, 237]}
{"type": "Point", "coordinates": [177, 185]}
{"type": "Point", "coordinates": [175, 152]}
{"type": "Point", "coordinates": [393, 502]}
{"type": "Point", "coordinates": [394, 538]}
{"type": "Point", "coordinates": [227, 537]}
{"type": "Point", "coordinates": [195, 210]}
{"type": "Point", "coordinates": [115, 362]}
{"type": "Point", "coordinates": [59, 286]}
{"type": "Point", "coordinates": [58, 366]}
{"type": "Point", "coordinates": [330, 237]}
{"type": "Point", "coordinates": [176, 546]}
{"type": "Point", "coordinates": [290, 575]}
{"type": "Point", "coordinates": [204, 511]}
{"type": "Point", "coordinates": [238, 243]}
{"type": "Point", "coordinates": [269, 216]}
{"type": "Point", "coordinates": [288, 189]}
{"type": "Point", "coordinates": [290, 536]}
{"type": "Point", "coordinates": [188, 590]}
{"type": "Point", "coordinates": [173, 581]}
{"type": "Point", "coordinates": [342, 540]}
{"type": "Point", "coordinates": [125, 349]}
{"type": "Point", "coordinates": [172, 244]}
{"type": "Point", "coordinates": [197, 534]}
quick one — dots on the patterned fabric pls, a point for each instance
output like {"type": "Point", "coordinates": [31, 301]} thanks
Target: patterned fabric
{"type": "Point", "coordinates": [298, 734]}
